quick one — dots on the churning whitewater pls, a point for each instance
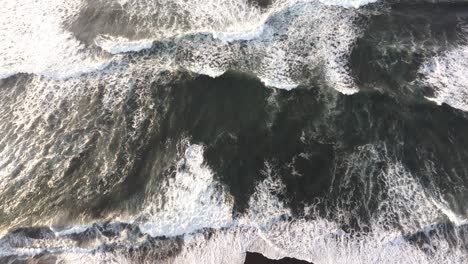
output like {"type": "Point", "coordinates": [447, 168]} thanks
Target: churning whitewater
{"type": "Point", "coordinates": [190, 131]}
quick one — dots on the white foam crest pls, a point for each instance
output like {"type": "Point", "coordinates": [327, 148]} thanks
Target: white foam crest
{"type": "Point", "coordinates": [348, 3]}
{"type": "Point", "coordinates": [188, 201]}
{"type": "Point", "coordinates": [33, 41]}
{"type": "Point", "coordinates": [278, 45]}
{"type": "Point", "coordinates": [229, 21]}
{"type": "Point", "coordinates": [71, 230]}
{"type": "Point", "coordinates": [263, 229]}
{"type": "Point", "coordinates": [321, 240]}
{"type": "Point", "coordinates": [117, 45]}
{"type": "Point", "coordinates": [318, 240]}
{"type": "Point", "coordinates": [166, 18]}
{"type": "Point", "coordinates": [447, 75]}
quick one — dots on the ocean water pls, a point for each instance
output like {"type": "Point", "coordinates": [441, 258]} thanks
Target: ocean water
{"type": "Point", "coordinates": [189, 131]}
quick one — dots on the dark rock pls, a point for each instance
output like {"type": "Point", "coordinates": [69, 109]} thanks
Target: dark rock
{"type": "Point", "coordinates": [257, 258]}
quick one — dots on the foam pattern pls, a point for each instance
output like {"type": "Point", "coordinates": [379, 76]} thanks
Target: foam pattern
{"type": "Point", "coordinates": [268, 226]}
{"type": "Point", "coordinates": [33, 40]}
{"type": "Point", "coordinates": [284, 43]}
{"type": "Point", "coordinates": [446, 75]}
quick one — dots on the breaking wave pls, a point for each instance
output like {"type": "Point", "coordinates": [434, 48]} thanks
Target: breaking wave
{"type": "Point", "coordinates": [276, 42]}
{"type": "Point", "coordinates": [190, 219]}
